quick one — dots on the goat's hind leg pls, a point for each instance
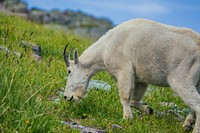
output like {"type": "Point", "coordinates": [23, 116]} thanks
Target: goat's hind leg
{"type": "Point", "coordinates": [189, 121]}
{"type": "Point", "coordinates": [137, 94]}
{"type": "Point", "coordinates": [184, 80]}
{"type": "Point", "coordinates": [191, 97]}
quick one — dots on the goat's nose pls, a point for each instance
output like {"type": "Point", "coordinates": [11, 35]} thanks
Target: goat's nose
{"type": "Point", "coordinates": [65, 97]}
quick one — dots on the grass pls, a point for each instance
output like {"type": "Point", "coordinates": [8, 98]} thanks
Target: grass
{"type": "Point", "coordinates": [26, 88]}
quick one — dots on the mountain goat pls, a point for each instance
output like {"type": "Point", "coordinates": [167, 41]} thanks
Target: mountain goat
{"type": "Point", "coordinates": [137, 53]}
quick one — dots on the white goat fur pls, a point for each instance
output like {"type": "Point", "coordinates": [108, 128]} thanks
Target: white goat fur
{"type": "Point", "coordinates": [141, 52]}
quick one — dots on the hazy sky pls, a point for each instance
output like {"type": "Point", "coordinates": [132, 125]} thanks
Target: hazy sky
{"type": "Point", "coordinates": [183, 13]}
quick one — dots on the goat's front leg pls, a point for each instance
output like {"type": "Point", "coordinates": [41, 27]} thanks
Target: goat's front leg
{"type": "Point", "coordinates": [125, 80]}
{"type": "Point", "coordinates": [138, 93]}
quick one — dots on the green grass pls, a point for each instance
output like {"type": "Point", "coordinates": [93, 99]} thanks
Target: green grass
{"type": "Point", "coordinates": [26, 88]}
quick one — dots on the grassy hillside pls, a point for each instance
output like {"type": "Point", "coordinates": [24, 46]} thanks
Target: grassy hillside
{"type": "Point", "coordinates": [27, 88]}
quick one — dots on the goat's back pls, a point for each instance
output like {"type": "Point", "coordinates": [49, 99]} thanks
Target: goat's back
{"type": "Point", "coordinates": [153, 48]}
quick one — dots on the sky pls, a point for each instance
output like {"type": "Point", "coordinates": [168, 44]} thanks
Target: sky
{"type": "Point", "coordinates": [182, 13]}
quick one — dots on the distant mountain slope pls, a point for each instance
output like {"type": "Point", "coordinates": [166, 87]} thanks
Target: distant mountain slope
{"type": "Point", "coordinates": [78, 23]}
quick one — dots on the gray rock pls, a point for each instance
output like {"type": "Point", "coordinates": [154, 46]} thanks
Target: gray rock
{"type": "Point", "coordinates": [35, 48]}
{"type": "Point", "coordinates": [8, 51]}
{"type": "Point", "coordinates": [39, 16]}
{"type": "Point", "coordinates": [15, 5]}
{"type": "Point", "coordinates": [79, 23]}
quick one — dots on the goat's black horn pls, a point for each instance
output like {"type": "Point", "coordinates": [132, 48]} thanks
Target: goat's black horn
{"type": "Point", "coordinates": [70, 52]}
{"type": "Point", "coordinates": [65, 56]}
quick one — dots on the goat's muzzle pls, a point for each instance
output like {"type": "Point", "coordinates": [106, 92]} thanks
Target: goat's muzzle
{"type": "Point", "coordinates": [68, 99]}
{"type": "Point", "coordinates": [71, 98]}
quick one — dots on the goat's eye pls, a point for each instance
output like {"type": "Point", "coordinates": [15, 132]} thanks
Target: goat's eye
{"type": "Point", "coordinates": [69, 71]}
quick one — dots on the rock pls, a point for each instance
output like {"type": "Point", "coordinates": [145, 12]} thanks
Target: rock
{"type": "Point", "coordinates": [78, 23]}
{"type": "Point", "coordinates": [8, 51]}
{"type": "Point", "coordinates": [39, 16]}
{"type": "Point", "coordinates": [83, 129]}
{"type": "Point", "coordinates": [21, 8]}
{"type": "Point", "coordinates": [97, 84]}
{"type": "Point", "coordinates": [35, 48]}
{"type": "Point", "coordinates": [15, 6]}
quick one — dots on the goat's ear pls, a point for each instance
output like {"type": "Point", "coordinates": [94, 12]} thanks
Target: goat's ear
{"type": "Point", "coordinates": [76, 56]}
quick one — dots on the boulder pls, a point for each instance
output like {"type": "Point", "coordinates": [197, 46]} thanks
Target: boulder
{"type": "Point", "coordinates": [35, 48]}
{"type": "Point", "coordinates": [15, 6]}
{"type": "Point", "coordinates": [39, 16]}
{"type": "Point", "coordinates": [77, 22]}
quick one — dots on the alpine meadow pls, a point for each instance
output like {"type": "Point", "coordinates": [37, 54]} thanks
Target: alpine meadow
{"type": "Point", "coordinates": [30, 87]}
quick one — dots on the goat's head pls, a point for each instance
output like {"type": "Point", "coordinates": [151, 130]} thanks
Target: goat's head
{"type": "Point", "coordinates": [78, 78]}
